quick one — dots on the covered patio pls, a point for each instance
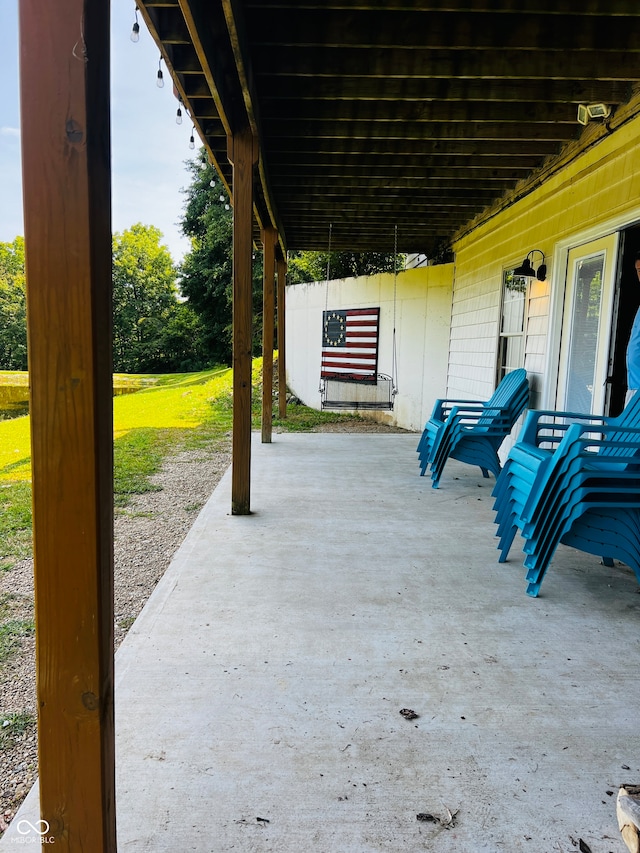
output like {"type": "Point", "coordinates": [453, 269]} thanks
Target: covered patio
{"type": "Point", "coordinates": [258, 695]}
{"type": "Point", "coordinates": [341, 569]}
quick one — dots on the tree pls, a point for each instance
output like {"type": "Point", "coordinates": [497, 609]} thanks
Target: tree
{"type": "Point", "coordinates": [152, 331]}
{"type": "Point", "coordinates": [313, 266]}
{"type": "Point", "coordinates": [13, 306]}
{"type": "Point", "coordinates": [206, 273]}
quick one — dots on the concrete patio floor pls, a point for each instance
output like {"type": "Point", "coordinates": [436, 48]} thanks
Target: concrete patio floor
{"type": "Point", "coordinates": [258, 695]}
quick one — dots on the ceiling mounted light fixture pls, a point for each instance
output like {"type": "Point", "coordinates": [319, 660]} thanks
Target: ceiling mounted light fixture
{"type": "Point", "coordinates": [588, 111]}
{"type": "Point", "coordinates": [526, 269]}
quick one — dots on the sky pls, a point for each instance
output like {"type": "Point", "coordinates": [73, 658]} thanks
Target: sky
{"type": "Point", "coordinates": [148, 148]}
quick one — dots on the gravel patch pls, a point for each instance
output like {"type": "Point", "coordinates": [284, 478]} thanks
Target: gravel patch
{"type": "Point", "coordinates": [147, 533]}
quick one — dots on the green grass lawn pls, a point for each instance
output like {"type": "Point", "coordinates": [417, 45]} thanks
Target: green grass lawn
{"type": "Point", "coordinates": [168, 413]}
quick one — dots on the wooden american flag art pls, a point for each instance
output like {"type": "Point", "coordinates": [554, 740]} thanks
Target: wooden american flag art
{"type": "Point", "coordinates": [350, 344]}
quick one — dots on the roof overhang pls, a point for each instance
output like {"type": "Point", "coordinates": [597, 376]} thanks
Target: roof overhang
{"type": "Point", "coordinates": [422, 116]}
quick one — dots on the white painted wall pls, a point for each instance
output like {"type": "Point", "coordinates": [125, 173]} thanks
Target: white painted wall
{"type": "Point", "coordinates": [596, 194]}
{"type": "Point", "coordinates": [422, 319]}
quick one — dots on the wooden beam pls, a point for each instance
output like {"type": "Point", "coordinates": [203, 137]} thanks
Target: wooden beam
{"type": "Point", "coordinates": [386, 167]}
{"type": "Point", "coordinates": [269, 238]}
{"type": "Point", "coordinates": [281, 266]}
{"type": "Point", "coordinates": [325, 154]}
{"type": "Point", "coordinates": [394, 61]}
{"type": "Point", "coordinates": [524, 113]}
{"type": "Point", "coordinates": [243, 155]}
{"type": "Point", "coordinates": [333, 88]}
{"type": "Point", "coordinates": [453, 28]}
{"type": "Point", "coordinates": [548, 7]}
{"type": "Point", "coordinates": [67, 202]}
{"type": "Point", "coordinates": [391, 132]}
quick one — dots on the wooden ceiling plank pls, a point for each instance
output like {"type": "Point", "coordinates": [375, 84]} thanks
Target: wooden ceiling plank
{"type": "Point", "coordinates": [207, 28]}
{"type": "Point", "coordinates": [422, 111]}
{"type": "Point", "coordinates": [326, 152]}
{"type": "Point", "coordinates": [546, 7]}
{"type": "Point", "coordinates": [403, 131]}
{"type": "Point", "coordinates": [415, 169]}
{"type": "Point", "coordinates": [332, 88]}
{"type": "Point", "coordinates": [440, 30]}
{"type": "Point", "coordinates": [507, 64]}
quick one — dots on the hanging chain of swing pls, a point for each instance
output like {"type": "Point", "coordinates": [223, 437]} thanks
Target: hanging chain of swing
{"type": "Point", "coordinates": [326, 298]}
{"type": "Point", "coordinates": [394, 362]}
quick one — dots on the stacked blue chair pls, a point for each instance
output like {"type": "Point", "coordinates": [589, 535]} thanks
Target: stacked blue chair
{"type": "Point", "coordinates": [572, 478]}
{"type": "Point", "coordinates": [473, 430]}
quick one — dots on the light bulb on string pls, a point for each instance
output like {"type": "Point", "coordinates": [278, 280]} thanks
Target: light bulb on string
{"type": "Point", "coordinates": [135, 30]}
{"type": "Point", "coordinates": [212, 183]}
{"type": "Point", "coordinates": [192, 141]}
{"type": "Point", "coordinates": [226, 207]}
{"type": "Point", "coordinates": [160, 78]}
{"type": "Point", "coordinates": [179, 115]}
{"type": "Point", "coordinates": [221, 198]}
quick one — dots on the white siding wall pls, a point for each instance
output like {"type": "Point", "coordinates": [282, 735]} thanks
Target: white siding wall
{"type": "Point", "coordinates": [594, 195]}
{"type": "Point", "coordinates": [423, 313]}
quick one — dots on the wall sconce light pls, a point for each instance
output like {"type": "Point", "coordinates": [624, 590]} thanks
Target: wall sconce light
{"type": "Point", "coordinates": [527, 270]}
{"type": "Point", "coordinates": [588, 111]}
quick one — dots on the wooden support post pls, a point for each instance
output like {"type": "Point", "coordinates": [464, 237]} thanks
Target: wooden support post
{"type": "Point", "coordinates": [269, 236]}
{"type": "Point", "coordinates": [281, 266]}
{"type": "Point", "coordinates": [243, 155]}
{"type": "Point", "coordinates": [67, 199]}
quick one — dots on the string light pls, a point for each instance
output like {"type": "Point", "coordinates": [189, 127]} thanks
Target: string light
{"type": "Point", "coordinates": [135, 30]}
{"type": "Point", "coordinates": [179, 114]}
{"type": "Point", "coordinates": [192, 141]}
{"type": "Point", "coordinates": [212, 183]}
{"type": "Point", "coordinates": [160, 78]}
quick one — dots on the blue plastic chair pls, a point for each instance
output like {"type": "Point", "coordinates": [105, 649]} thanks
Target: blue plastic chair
{"type": "Point", "coordinates": [560, 493]}
{"type": "Point", "coordinates": [588, 489]}
{"type": "Point", "coordinates": [531, 462]}
{"type": "Point", "coordinates": [473, 430]}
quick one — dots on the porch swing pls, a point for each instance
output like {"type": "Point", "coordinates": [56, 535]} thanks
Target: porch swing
{"type": "Point", "coordinates": [349, 376]}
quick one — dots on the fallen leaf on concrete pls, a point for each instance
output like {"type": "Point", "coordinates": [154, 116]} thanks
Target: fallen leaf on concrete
{"type": "Point", "coordinates": [447, 821]}
{"type": "Point", "coordinates": [408, 714]}
{"type": "Point", "coordinates": [584, 847]}
{"type": "Point", "coordinates": [450, 819]}
{"type": "Point", "coordinates": [263, 820]}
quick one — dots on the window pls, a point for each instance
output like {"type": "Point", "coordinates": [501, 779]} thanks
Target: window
{"type": "Point", "coordinates": [511, 341]}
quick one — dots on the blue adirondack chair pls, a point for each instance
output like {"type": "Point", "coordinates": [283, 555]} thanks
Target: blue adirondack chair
{"type": "Point", "coordinates": [588, 471]}
{"type": "Point", "coordinates": [529, 463]}
{"type": "Point", "coordinates": [602, 481]}
{"type": "Point", "coordinates": [473, 430]}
